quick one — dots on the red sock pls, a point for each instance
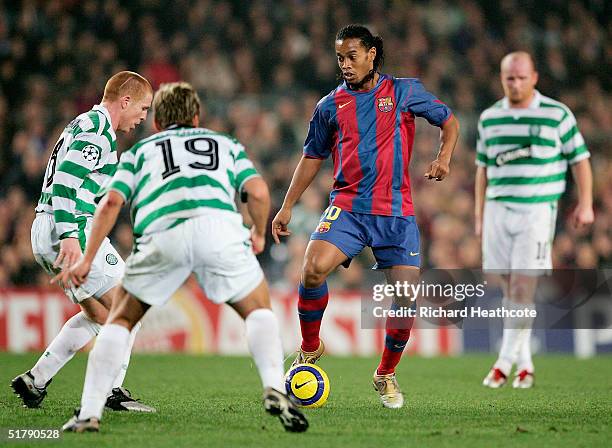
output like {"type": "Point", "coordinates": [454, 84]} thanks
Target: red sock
{"type": "Point", "coordinates": [311, 306]}
{"type": "Point", "coordinates": [397, 334]}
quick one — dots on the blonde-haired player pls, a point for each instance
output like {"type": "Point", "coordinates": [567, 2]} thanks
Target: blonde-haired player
{"type": "Point", "coordinates": [181, 183]}
{"type": "Point", "coordinates": [83, 159]}
{"type": "Point", "coordinates": [526, 141]}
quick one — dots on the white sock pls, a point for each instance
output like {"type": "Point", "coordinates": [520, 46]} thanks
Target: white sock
{"type": "Point", "coordinates": [513, 336]}
{"type": "Point", "coordinates": [118, 382]}
{"type": "Point", "coordinates": [264, 341]}
{"type": "Point", "coordinates": [507, 352]}
{"type": "Point", "coordinates": [102, 368]}
{"type": "Point", "coordinates": [524, 361]}
{"type": "Point", "coordinates": [73, 336]}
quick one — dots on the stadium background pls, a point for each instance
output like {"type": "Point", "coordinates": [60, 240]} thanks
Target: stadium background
{"type": "Point", "coordinates": [260, 68]}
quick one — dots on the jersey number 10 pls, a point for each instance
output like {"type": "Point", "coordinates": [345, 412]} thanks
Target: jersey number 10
{"type": "Point", "coordinates": [204, 147]}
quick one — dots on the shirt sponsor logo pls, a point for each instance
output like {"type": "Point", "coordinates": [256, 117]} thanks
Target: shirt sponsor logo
{"type": "Point", "coordinates": [385, 104]}
{"type": "Point", "coordinates": [514, 154]}
{"type": "Point", "coordinates": [323, 227]}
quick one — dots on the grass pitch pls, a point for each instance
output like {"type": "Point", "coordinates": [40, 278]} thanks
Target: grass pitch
{"type": "Point", "coordinates": [215, 401]}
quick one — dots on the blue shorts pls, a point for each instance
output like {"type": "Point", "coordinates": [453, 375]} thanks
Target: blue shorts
{"type": "Point", "coordinates": [394, 239]}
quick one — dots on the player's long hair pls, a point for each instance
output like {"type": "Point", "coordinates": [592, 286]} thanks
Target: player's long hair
{"type": "Point", "coordinates": [368, 40]}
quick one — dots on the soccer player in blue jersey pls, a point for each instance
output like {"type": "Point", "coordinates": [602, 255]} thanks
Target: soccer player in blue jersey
{"type": "Point", "coordinates": [367, 125]}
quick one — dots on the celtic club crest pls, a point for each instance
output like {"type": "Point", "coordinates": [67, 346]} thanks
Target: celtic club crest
{"type": "Point", "coordinates": [385, 104]}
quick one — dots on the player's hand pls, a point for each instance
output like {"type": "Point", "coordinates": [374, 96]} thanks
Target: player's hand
{"type": "Point", "coordinates": [438, 170]}
{"type": "Point", "coordinates": [69, 254]}
{"type": "Point", "coordinates": [279, 224]}
{"type": "Point", "coordinates": [258, 240]}
{"type": "Point", "coordinates": [75, 275]}
{"type": "Point", "coordinates": [582, 216]}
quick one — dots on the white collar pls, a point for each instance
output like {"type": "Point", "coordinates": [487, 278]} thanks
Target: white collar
{"type": "Point", "coordinates": [106, 113]}
{"type": "Point", "coordinates": [535, 102]}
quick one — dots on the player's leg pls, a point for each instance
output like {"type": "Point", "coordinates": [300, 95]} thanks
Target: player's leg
{"type": "Point", "coordinates": [227, 271]}
{"type": "Point", "coordinates": [263, 338]}
{"type": "Point", "coordinates": [498, 375]}
{"type": "Point", "coordinates": [497, 243]}
{"type": "Point", "coordinates": [152, 275]}
{"type": "Point", "coordinates": [532, 257]}
{"type": "Point", "coordinates": [395, 244]}
{"type": "Point", "coordinates": [79, 330]}
{"type": "Point", "coordinates": [522, 291]}
{"type": "Point", "coordinates": [120, 399]}
{"type": "Point", "coordinates": [518, 293]}
{"type": "Point", "coordinates": [338, 238]}
{"type": "Point", "coordinates": [320, 259]}
{"type": "Point", "coordinates": [107, 270]}
{"type": "Point", "coordinates": [397, 329]}
{"type": "Point", "coordinates": [76, 332]}
{"type": "Point", "coordinates": [263, 335]}
{"type": "Point", "coordinates": [105, 360]}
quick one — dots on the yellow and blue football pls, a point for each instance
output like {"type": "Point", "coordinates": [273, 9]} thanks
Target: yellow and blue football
{"type": "Point", "coordinates": [308, 384]}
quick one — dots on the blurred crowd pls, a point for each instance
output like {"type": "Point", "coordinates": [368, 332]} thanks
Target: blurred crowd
{"type": "Point", "coordinates": [260, 68]}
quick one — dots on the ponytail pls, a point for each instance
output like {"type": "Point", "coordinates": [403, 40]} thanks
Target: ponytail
{"type": "Point", "coordinates": [380, 55]}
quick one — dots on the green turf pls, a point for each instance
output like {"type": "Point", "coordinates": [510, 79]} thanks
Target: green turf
{"type": "Point", "coordinates": [214, 401]}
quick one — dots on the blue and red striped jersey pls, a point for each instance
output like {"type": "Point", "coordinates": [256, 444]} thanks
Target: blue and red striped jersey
{"type": "Point", "coordinates": [370, 136]}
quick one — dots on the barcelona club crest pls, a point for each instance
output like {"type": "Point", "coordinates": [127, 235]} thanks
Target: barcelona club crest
{"type": "Point", "coordinates": [324, 227]}
{"type": "Point", "coordinates": [385, 104]}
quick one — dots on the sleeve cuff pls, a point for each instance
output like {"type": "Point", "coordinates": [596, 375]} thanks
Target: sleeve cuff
{"type": "Point", "coordinates": [446, 119]}
{"type": "Point", "coordinates": [246, 179]}
{"type": "Point", "coordinates": [580, 157]}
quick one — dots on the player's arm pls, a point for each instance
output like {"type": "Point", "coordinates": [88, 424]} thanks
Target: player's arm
{"type": "Point", "coordinates": [422, 103]}
{"type": "Point", "coordinates": [254, 191]}
{"type": "Point", "coordinates": [583, 214]}
{"type": "Point", "coordinates": [480, 184]}
{"type": "Point", "coordinates": [81, 158]}
{"type": "Point", "coordinates": [305, 172]}
{"type": "Point", "coordinates": [480, 188]}
{"type": "Point", "coordinates": [575, 151]}
{"type": "Point", "coordinates": [449, 134]}
{"type": "Point", "coordinates": [258, 204]}
{"type": "Point", "coordinates": [317, 148]}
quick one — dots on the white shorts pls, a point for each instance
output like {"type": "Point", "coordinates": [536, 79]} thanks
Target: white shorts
{"type": "Point", "coordinates": [106, 269]}
{"type": "Point", "coordinates": [216, 247]}
{"type": "Point", "coordinates": [518, 237]}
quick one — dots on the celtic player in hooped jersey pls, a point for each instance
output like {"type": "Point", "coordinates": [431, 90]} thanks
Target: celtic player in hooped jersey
{"type": "Point", "coordinates": [180, 184]}
{"type": "Point", "coordinates": [83, 158]}
{"type": "Point", "coordinates": [526, 141]}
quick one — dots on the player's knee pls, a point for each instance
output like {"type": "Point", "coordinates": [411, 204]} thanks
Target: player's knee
{"type": "Point", "coordinates": [96, 314]}
{"type": "Point", "coordinates": [521, 293]}
{"type": "Point", "coordinates": [314, 273]}
{"type": "Point", "coordinates": [98, 318]}
{"type": "Point", "coordinates": [124, 321]}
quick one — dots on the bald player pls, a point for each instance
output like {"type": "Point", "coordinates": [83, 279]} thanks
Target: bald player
{"type": "Point", "coordinates": [83, 159]}
{"type": "Point", "coordinates": [526, 141]}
